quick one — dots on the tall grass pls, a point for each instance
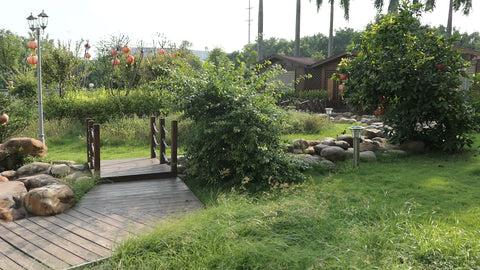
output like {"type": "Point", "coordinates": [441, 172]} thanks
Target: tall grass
{"type": "Point", "coordinates": [416, 212]}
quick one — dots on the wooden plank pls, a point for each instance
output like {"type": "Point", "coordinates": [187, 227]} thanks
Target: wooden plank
{"type": "Point", "coordinates": [73, 236]}
{"type": "Point", "coordinates": [70, 246]}
{"type": "Point", "coordinates": [120, 230]}
{"type": "Point", "coordinates": [30, 246]}
{"type": "Point", "coordinates": [22, 260]}
{"type": "Point", "coordinates": [33, 235]}
{"type": "Point", "coordinates": [95, 226]}
{"type": "Point", "coordinates": [96, 238]}
{"type": "Point", "coordinates": [114, 219]}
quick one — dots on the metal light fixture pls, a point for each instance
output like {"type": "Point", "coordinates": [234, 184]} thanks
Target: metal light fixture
{"type": "Point", "coordinates": [35, 24]}
{"type": "Point", "coordinates": [328, 111]}
{"type": "Point", "coordinates": [356, 133]}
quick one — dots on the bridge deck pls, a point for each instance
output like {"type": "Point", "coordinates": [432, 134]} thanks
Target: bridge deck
{"type": "Point", "coordinates": [134, 169]}
{"type": "Point", "coordinates": [90, 231]}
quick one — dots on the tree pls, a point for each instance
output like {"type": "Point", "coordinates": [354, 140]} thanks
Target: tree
{"type": "Point", "coordinates": [59, 66]}
{"type": "Point", "coordinates": [297, 29]}
{"type": "Point", "coordinates": [260, 31]}
{"type": "Point", "coordinates": [412, 75]}
{"type": "Point", "coordinates": [12, 51]}
{"type": "Point", "coordinates": [345, 4]}
{"type": "Point", "coordinates": [454, 5]}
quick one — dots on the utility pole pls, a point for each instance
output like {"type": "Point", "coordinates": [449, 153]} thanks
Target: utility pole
{"type": "Point", "coordinates": [249, 20]}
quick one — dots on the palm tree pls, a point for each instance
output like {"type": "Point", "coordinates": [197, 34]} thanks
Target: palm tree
{"type": "Point", "coordinates": [297, 30]}
{"type": "Point", "coordinates": [260, 30]}
{"type": "Point", "coordinates": [454, 5]}
{"type": "Point", "coordinates": [345, 4]}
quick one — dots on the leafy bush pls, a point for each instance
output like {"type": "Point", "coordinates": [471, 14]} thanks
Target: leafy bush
{"type": "Point", "coordinates": [413, 74]}
{"type": "Point", "coordinates": [312, 100]}
{"type": "Point", "coordinates": [234, 133]}
{"type": "Point", "coordinates": [102, 106]}
{"type": "Point", "coordinates": [20, 115]}
{"type": "Point", "coordinates": [301, 122]}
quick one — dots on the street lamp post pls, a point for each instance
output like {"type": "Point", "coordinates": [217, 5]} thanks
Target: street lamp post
{"type": "Point", "coordinates": [35, 24]}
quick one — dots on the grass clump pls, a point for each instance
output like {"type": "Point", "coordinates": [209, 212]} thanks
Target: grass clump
{"type": "Point", "coordinates": [413, 212]}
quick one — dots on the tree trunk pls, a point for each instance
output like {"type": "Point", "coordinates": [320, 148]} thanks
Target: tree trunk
{"type": "Point", "coordinates": [330, 32]}
{"type": "Point", "coordinates": [297, 31]}
{"type": "Point", "coordinates": [449, 23]}
{"type": "Point", "coordinates": [260, 31]}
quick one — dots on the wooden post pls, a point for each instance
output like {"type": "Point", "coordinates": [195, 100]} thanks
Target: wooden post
{"type": "Point", "coordinates": [96, 132]}
{"type": "Point", "coordinates": [89, 143]}
{"type": "Point", "coordinates": [152, 137]}
{"type": "Point", "coordinates": [162, 141]}
{"type": "Point", "coordinates": [174, 136]}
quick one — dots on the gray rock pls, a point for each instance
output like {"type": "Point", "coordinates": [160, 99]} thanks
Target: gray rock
{"type": "Point", "coordinates": [9, 174]}
{"type": "Point", "coordinates": [371, 133]}
{"type": "Point", "coordinates": [368, 156]}
{"type": "Point", "coordinates": [11, 201]}
{"type": "Point", "coordinates": [39, 180]}
{"type": "Point", "coordinates": [309, 150]}
{"type": "Point", "coordinates": [34, 168]}
{"type": "Point", "coordinates": [300, 144]}
{"type": "Point", "coordinates": [396, 152]}
{"type": "Point", "coordinates": [313, 159]}
{"type": "Point", "coordinates": [327, 163]}
{"type": "Point", "coordinates": [334, 153]}
{"type": "Point", "coordinates": [343, 144]}
{"type": "Point", "coordinates": [319, 147]}
{"type": "Point", "coordinates": [368, 146]}
{"type": "Point", "coordinates": [60, 170]}
{"type": "Point", "coordinates": [328, 141]}
{"type": "Point", "coordinates": [347, 138]}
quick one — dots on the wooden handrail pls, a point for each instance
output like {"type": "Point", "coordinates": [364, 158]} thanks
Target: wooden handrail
{"type": "Point", "coordinates": [154, 142]}
{"type": "Point", "coordinates": [93, 146]}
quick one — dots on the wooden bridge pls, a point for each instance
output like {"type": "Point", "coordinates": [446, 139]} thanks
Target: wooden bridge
{"type": "Point", "coordinates": [135, 194]}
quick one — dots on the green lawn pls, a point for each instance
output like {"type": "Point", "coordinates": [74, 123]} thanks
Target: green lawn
{"type": "Point", "coordinates": [414, 212]}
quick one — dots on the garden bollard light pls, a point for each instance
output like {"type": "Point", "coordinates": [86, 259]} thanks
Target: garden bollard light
{"type": "Point", "coordinates": [328, 111]}
{"type": "Point", "coordinates": [356, 132]}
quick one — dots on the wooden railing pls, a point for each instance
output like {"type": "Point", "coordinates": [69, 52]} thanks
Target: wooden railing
{"type": "Point", "coordinates": [93, 146]}
{"type": "Point", "coordinates": [157, 138]}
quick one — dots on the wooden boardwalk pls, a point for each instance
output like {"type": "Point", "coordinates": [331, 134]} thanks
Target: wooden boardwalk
{"type": "Point", "coordinates": [90, 231]}
{"type": "Point", "coordinates": [134, 169]}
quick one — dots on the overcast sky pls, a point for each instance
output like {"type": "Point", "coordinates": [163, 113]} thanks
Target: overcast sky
{"type": "Point", "coordinates": [207, 24]}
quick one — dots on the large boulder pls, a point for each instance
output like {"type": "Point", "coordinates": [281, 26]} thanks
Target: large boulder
{"type": "Point", "coordinates": [371, 133]}
{"type": "Point", "coordinates": [334, 153]}
{"type": "Point", "coordinates": [49, 200]}
{"type": "Point", "coordinates": [347, 138]}
{"type": "Point", "coordinates": [27, 146]}
{"type": "Point", "coordinates": [13, 151]}
{"type": "Point", "coordinates": [33, 168]}
{"type": "Point", "coordinates": [11, 201]}
{"type": "Point", "coordinates": [38, 180]}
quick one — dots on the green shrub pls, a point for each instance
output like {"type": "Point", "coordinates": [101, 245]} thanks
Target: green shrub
{"type": "Point", "coordinates": [234, 134]}
{"type": "Point", "coordinates": [101, 106]}
{"type": "Point", "coordinates": [414, 74]}
{"type": "Point", "coordinates": [311, 100]}
{"type": "Point", "coordinates": [301, 122]}
{"type": "Point", "coordinates": [20, 115]}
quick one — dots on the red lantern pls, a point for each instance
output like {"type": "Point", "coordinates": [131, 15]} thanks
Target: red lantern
{"type": "Point", "coordinates": [343, 77]}
{"type": "Point", "coordinates": [87, 55]}
{"type": "Point", "coordinates": [379, 111]}
{"type": "Point", "coordinates": [4, 118]}
{"type": "Point", "coordinates": [87, 46]}
{"type": "Point", "coordinates": [440, 66]}
{"type": "Point", "coordinates": [125, 49]}
{"type": "Point", "coordinates": [161, 52]}
{"type": "Point", "coordinates": [130, 59]}
{"type": "Point", "coordinates": [341, 87]}
{"type": "Point", "coordinates": [113, 51]}
{"type": "Point", "coordinates": [32, 59]}
{"type": "Point", "coordinates": [115, 61]}
{"type": "Point", "coordinates": [32, 44]}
